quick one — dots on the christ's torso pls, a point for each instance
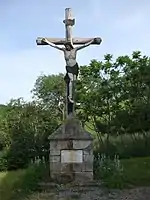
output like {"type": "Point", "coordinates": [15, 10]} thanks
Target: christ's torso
{"type": "Point", "coordinates": [70, 57]}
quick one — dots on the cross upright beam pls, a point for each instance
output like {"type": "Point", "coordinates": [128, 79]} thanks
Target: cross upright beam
{"type": "Point", "coordinates": [69, 22]}
{"type": "Point", "coordinates": [69, 55]}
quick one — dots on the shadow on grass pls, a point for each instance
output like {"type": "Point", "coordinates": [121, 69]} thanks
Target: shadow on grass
{"type": "Point", "coordinates": [15, 185]}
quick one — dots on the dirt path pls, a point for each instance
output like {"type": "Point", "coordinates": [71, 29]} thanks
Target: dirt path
{"type": "Point", "coordinates": [93, 193]}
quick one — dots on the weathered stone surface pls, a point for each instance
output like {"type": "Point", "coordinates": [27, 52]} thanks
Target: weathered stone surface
{"type": "Point", "coordinates": [65, 163]}
{"type": "Point", "coordinates": [55, 159]}
{"type": "Point", "coordinates": [62, 177]}
{"type": "Point", "coordinates": [89, 166]}
{"type": "Point", "coordinates": [81, 144]}
{"type": "Point", "coordinates": [89, 149]}
{"type": "Point", "coordinates": [71, 129]}
{"type": "Point", "coordinates": [83, 176]}
{"type": "Point", "coordinates": [86, 152]}
{"type": "Point", "coordinates": [78, 167]}
{"type": "Point", "coordinates": [88, 158]}
{"type": "Point", "coordinates": [65, 167]}
{"type": "Point", "coordinates": [55, 166]}
{"type": "Point", "coordinates": [55, 152]}
{"type": "Point", "coordinates": [58, 144]}
{"type": "Point", "coordinates": [69, 177]}
{"type": "Point", "coordinates": [53, 144]}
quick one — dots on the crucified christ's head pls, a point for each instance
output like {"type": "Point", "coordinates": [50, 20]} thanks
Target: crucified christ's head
{"type": "Point", "coordinates": [68, 46]}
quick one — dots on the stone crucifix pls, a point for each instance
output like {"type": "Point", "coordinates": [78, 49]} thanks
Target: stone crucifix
{"type": "Point", "coordinates": [70, 52]}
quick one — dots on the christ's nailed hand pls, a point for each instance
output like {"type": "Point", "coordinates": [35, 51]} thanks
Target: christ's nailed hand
{"type": "Point", "coordinates": [43, 39]}
{"type": "Point", "coordinates": [96, 40]}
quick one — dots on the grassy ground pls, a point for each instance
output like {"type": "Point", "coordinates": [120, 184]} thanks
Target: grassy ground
{"type": "Point", "coordinates": [16, 184]}
{"type": "Point", "coordinates": [137, 171]}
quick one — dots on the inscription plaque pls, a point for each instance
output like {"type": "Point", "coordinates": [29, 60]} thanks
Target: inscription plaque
{"type": "Point", "coordinates": [71, 156]}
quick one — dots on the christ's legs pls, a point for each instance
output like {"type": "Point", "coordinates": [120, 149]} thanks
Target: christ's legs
{"type": "Point", "coordinates": [72, 79]}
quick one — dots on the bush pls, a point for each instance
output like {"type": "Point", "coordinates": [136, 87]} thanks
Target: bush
{"type": "Point", "coordinates": [17, 156]}
{"type": "Point", "coordinates": [3, 161]}
{"type": "Point", "coordinates": [110, 171]}
{"type": "Point", "coordinates": [13, 158]}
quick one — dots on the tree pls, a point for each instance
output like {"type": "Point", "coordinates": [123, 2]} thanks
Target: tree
{"type": "Point", "coordinates": [100, 83]}
{"type": "Point", "coordinates": [29, 124]}
{"type": "Point", "coordinates": [115, 95]}
{"type": "Point", "coordinates": [136, 90]}
{"type": "Point", "coordinates": [50, 90]}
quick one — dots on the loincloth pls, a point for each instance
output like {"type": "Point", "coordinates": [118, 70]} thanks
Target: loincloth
{"type": "Point", "coordinates": [73, 70]}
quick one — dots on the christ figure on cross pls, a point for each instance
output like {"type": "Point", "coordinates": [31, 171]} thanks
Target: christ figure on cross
{"type": "Point", "coordinates": [72, 68]}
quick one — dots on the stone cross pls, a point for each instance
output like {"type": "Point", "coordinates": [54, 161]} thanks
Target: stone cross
{"type": "Point", "coordinates": [69, 22]}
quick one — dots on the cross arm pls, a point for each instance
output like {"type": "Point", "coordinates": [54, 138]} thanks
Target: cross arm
{"type": "Point", "coordinates": [85, 45]}
{"type": "Point", "coordinates": [62, 41]}
{"type": "Point", "coordinates": [52, 44]}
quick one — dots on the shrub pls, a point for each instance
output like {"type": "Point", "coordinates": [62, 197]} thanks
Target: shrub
{"type": "Point", "coordinates": [110, 171]}
{"type": "Point", "coordinates": [3, 161]}
{"type": "Point", "coordinates": [17, 156]}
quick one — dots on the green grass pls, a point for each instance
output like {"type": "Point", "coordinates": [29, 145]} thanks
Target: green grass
{"type": "Point", "coordinates": [15, 185]}
{"type": "Point", "coordinates": [137, 171]}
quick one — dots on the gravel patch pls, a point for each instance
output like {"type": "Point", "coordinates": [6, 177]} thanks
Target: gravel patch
{"type": "Point", "coordinates": [94, 193]}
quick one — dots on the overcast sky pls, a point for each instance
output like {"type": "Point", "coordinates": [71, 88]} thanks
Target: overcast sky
{"type": "Point", "coordinates": [124, 27]}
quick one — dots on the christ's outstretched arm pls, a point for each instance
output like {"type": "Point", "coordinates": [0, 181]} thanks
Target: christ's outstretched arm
{"type": "Point", "coordinates": [85, 45]}
{"type": "Point", "coordinates": [52, 44]}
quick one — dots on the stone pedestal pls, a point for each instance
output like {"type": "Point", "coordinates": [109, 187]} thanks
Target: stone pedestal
{"type": "Point", "coordinates": [71, 153]}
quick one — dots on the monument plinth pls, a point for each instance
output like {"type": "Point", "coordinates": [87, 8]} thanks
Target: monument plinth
{"type": "Point", "coordinates": [71, 153]}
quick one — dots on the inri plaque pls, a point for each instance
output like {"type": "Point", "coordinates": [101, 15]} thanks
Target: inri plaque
{"type": "Point", "coordinates": [71, 156]}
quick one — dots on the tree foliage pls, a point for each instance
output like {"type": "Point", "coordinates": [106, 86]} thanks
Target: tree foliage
{"type": "Point", "coordinates": [119, 91]}
{"type": "Point", "coordinates": [29, 125]}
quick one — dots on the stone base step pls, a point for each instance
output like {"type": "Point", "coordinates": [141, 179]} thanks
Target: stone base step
{"type": "Point", "coordinates": [45, 186]}
{"type": "Point", "coordinates": [43, 196]}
